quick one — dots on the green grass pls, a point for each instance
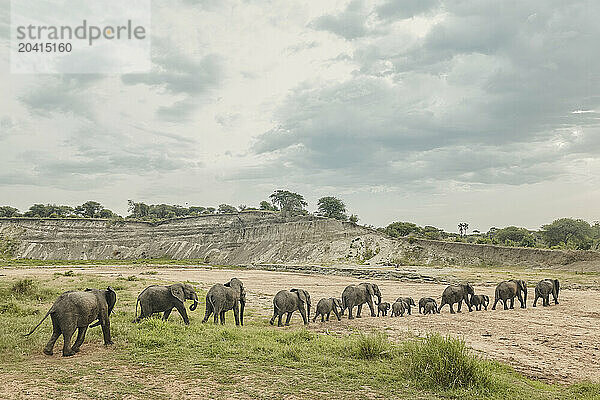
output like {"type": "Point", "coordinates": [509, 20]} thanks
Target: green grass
{"type": "Point", "coordinates": [157, 358]}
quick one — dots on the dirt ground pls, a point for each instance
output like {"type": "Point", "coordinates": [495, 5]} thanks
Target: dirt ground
{"type": "Point", "coordinates": [560, 343]}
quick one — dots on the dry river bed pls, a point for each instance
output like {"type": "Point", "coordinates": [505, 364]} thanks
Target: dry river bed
{"type": "Point", "coordinates": [560, 343]}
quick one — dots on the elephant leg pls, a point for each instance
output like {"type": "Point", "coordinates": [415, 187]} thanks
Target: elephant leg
{"type": "Point", "coordinates": [495, 302]}
{"type": "Point", "coordinates": [441, 305]}
{"type": "Point", "coordinates": [459, 306]}
{"type": "Point", "coordinates": [209, 311]}
{"type": "Point", "coordinates": [181, 309]}
{"type": "Point", "coordinates": [80, 336]}
{"type": "Point", "coordinates": [451, 308]}
{"type": "Point", "coordinates": [350, 312]}
{"type": "Point", "coordinates": [272, 321]}
{"type": "Point", "coordinates": [280, 316]}
{"type": "Point", "coordinates": [535, 299]}
{"type": "Point", "coordinates": [370, 304]}
{"type": "Point", "coordinates": [68, 332]}
{"type": "Point", "coordinates": [512, 303]}
{"type": "Point", "coordinates": [555, 298]}
{"type": "Point", "coordinates": [106, 331]}
{"type": "Point", "coordinates": [56, 332]}
{"type": "Point", "coordinates": [359, 309]}
{"type": "Point", "coordinates": [222, 316]}
{"type": "Point", "coordinates": [505, 302]}
{"type": "Point", "coordinates": [315, 317]}
{"type": "Point", "coordinates": [166, 314]}
{"type": "Point", "coordinates": [337, 314]}
{"type": "Point", "coordinates": [409, 310]}
{"type": "Point", "coordinates": [328, 314]}
{"type": "Point", "coordinates": [288, 318]}
{"type": "Point", "coordinates": [236, 313]}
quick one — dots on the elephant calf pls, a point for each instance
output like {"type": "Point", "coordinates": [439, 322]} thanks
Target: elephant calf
{"type": "Point", "coordinates": [424, 301]}
{"type": "Point", "coordinates": [383, 308]}
{"type": "Point", "coordinates": [430, 308]}
{"type": "Point", "coordinates": [77, 310]}
{"type": "Point", "coordinates": [288, 301]}
{"type": "Point", "coordinates": [326, 306]}
{"type": "Point", "coordinates": [543, 290]}
{"type": "Point", "coordinates": [224, 297]}
{"type": "Point", "coordinates": [398, 309]}
{"type": "Point", "coordinates": [480, 300]}
{"type": "Point", "coordinates": [155, 299]}
{"type": "Point", "coordinates": [408, 302]}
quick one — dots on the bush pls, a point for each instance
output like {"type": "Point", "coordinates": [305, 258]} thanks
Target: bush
{"type": "Point", "coordinates": [372, 346]}
{"type": "Point", "coordinates": [445, 362]}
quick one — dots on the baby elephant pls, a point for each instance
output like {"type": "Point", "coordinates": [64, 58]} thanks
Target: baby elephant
{"type": "Point", "coordinates": [479, 300]}
{"type": "Point", "coordinates": [398, 309]}
{"type": "Point", "coordinates": [543, 290]}
{"type": "Point", "coordinates": [288, 301]}
{"type": "Point", "coordinates": [426, 300]}
{"type": "Point", "coordinates": [326, 306]}
{"type": "Point", "coordinates": [155, 299]}
{"type": "Point", "coordinates": [408, 302]}
{"type": "Point", "coordinates": [77, 310]}
{"type": "Point", "coordinates": [383, 308]}
{"type": "Point", "coordinates": [430, 308]}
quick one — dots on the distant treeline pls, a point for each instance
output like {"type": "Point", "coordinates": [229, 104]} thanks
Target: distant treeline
{"type": "Point", "coordinates": [564, 233]}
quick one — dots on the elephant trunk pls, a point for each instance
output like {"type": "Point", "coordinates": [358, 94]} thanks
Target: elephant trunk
{"type": "Point", "coordinates": [195, 304]}
{"type": "Point", "coordinates": [242, 306]}
{"type": "Point", "coordinates": [524, 296]}
{"type": "Point", "coordinates": [378, 299]}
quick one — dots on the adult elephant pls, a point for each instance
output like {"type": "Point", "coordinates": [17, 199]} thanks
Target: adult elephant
{"type": "Point", "coordinates": [357, 295]}
{"type": "Point", "coordinates": [508, 290]}
{"type": "Point", "coordinates": [156, 298]}
{"type": "Point", "coordinates": [288, 301]}
{"type": "Point", "coordinates": [224, 297]}
{"type": "Point", "coordinates": [77, 310]}
{"type": "Point", "coordinates": [543, 290]}
{"type": "Point", "coordinates": [456, 294]}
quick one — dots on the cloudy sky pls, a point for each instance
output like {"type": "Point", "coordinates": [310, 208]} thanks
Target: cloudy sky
{"type": "Point", "coordinates": [428, 111]}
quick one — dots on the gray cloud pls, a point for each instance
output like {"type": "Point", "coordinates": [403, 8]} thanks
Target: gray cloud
{"type": "Point", "coordinates": [486, 97]}
{"type": "Point", "coordinates": [352, 23]}
{"type": "Point", "coordinates": [393, 9]}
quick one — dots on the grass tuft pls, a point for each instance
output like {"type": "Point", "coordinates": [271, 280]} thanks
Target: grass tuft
{"type": "Point", "coordinates": [439, 362]}
{"type": "Point", "coordinates": [371, 346]}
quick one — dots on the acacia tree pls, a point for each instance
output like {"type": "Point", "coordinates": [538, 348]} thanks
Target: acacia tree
{"type": "Point", "coordinates": [332, 207]}
{"type": "Point", "coordinates": [8, 211]}
{"type": "Point", "coordinates": [568, 232]}
{"type": "Point", "coordinates": [288, 202]}
{"type": "Point", "coordinates": [89, 209]}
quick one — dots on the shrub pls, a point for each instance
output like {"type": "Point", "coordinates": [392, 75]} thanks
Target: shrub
{"type": "Point", "coordinates": [371, 346]}
{"type": "Point", "coordinates": [445, 363]}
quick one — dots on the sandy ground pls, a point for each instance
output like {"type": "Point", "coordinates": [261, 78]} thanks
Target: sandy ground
{"type": "Point", "coordinates": [560, 343]}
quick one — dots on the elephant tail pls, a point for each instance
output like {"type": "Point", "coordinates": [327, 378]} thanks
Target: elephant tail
{"type": "Point", "coordinates": [45, 316]}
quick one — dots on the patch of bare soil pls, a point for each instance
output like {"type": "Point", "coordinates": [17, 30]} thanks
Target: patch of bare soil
{"type": "Point", "coordinates": [560, 343]}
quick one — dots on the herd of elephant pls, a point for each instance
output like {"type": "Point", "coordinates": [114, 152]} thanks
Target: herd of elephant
{"type": "Point", "coordinates": [78, 310]}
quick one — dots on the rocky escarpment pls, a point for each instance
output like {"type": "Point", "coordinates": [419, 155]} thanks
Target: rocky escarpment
{"type": "Point", "coordinates": [253, 238]}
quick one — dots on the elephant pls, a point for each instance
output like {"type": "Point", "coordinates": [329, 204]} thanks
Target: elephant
{"type": "Point", "coordinates": [430, 308]}
{"type": "Point", "coordinates": [156, 298]}
{"type": "Point", "coordinates": [224, 297]}
{"type": "Point", "coordinates": [508, 290]}
{"type": "Point", "coordinates": [357, 295]}
{"type": "Point", "coordinates": [288, 301]}
{"type": "Point", "coordinates": [383, 308]}
{"type": "Point", "coordinates": [543, 290]}
{"type": "Point", "coordinates": [398, 309]}
{"type": "Point", "coordinates": [326, 306]}
{"type": "Point", "coordinates": [456, 294]}
{"type": "Point", "coordinates": [479, 300]}
{"type": "Point", "coordinates": [408, 302]}
{"type": "Point", "coordinates": [424, 301]}
{"type": "Point", "coordinates": [77, 310]}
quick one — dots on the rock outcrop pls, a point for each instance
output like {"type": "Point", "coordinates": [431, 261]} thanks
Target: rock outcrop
{"type": "Point", "coordinates": [254, 237]}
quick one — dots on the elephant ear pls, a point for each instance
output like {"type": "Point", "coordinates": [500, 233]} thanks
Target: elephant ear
{"type": "Point", "coordinates": [111, 298]}
{"type": "Point", "coordinates": [177, 292]}
{"type": "Point", "coordinates": [370, 289]}
{"type": "Point", "coordinates": [302, 295]}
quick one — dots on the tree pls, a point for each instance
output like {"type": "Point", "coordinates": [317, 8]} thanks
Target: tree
{"type": "Point", "coordinates": [49, 211]}
{"type": "Point", "coordinates": [462, 228]}
{"type": "Point", "coordinates": [195, 210]}
{"type": "Point", "coordinates": [398, 229]}
{"type": "Point", "coordinates": [242, 207]}
{"type": "Point", "coordinates": [288, 202]}
{"type": "Point", "coordinates": [568, 232]}
{"type": "Point", "coordinates": [138, 210]}
{"type": "Point", "coordinates": [353, 218]}
{"type": "Point", "coordinates": [265, 205]}
{"type": "Point", "coordinates": [8, 211]}
{"type": "Point", "coordinates": [332, 207]}
{"type": "Point", "coordinates": [227, 209]}
{"type": "Point", "coordinates": [89, 209]}
{"type": "Point", "coordinates": [514, 236]}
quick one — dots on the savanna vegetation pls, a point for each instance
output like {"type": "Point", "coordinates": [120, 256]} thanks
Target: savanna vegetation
{"type": "Point", "coordinates": [157, 359]}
